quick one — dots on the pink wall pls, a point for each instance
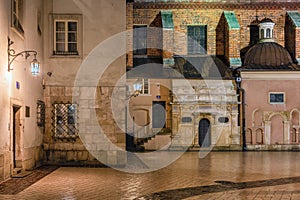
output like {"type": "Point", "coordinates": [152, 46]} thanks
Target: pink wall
{"type": "Point", "coordinates": [257, 97]}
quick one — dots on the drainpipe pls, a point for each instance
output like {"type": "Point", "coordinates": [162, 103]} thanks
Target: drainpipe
{"type": "Point", "coordinates": [241, 108]}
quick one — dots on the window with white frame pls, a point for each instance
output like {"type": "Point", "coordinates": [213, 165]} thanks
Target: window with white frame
{"type": "Point", "coordinates": [65, 120]}
{"type": "Point", "coordinates": [146, 86]}
{"type": "Point", "coordinates": [66, 35]}
{"type": "Point", "coordinates": [276, 97]}
{"type": "Point", "coordinates": [17, 16]}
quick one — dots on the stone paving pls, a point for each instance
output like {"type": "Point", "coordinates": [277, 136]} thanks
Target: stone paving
{"type": "Point", "coordinates": [220, 175]}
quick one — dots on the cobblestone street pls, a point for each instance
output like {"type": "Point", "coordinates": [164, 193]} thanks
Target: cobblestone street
{"type": "Point", "coordinates": [220, 175]}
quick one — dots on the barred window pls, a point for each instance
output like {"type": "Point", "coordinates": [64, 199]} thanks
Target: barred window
{"type": "Point", "coordinates": [65, 120]}
{"type": "Point", "coordinates": [40, 111]}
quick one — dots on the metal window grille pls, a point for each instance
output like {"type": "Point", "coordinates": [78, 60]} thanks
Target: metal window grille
{"type": "Point", "coordinates": [40, 113]}
{"type": "Point", "coordinates": [65, 120]}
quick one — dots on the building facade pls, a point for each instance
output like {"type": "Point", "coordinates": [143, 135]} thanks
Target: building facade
{"type": "Point", "coordinates": [176, 37]}
{"type": "Point", "coordinates": [79, 108]}
{"type": "Point", "coordinates": [22, 101]}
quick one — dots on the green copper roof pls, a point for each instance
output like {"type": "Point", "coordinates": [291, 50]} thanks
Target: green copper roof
{"type": "Point", "coordinates": [167, 19]}
{"type": "Point", "coordinates": [231, 20]}
{"type": "Point", "coordinates": [295, 16]}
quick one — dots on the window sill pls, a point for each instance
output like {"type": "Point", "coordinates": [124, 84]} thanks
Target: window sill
{"type": "Point", "coordinates": [20, 34]}
{"type": "Point", "coordinates": [64, 136]}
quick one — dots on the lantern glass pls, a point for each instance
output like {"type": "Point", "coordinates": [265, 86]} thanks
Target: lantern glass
{"type": "Point", "coordinates": [35, 67]}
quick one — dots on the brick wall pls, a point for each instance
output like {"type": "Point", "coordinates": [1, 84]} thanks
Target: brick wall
{"type": "Point", "coordinates": [290, 36]}
{"type": "Point", "coordinates": [185, 14]}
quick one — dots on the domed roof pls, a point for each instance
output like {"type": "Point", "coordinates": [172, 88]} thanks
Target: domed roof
{"type": "Point", "coordinates": [265, 20]}
{"type": "Point", "coordinates": [267, 54]}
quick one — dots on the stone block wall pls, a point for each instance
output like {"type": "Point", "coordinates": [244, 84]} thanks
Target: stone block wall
{"type": "Point", "coordinates": [80, 151]}
{"type": "Point", "coordinates": [5, 162]}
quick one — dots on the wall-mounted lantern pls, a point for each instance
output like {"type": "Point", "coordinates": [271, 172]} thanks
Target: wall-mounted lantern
{"type": "Point", "coordinates": [12, 55]}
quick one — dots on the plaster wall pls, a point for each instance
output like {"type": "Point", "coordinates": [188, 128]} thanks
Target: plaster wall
{"type": "Point", "coordinates": [275, 120]}
{"type": "Point", "coordinates": [29, 92]}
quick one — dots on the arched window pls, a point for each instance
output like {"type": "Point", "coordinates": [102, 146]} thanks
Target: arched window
{"type": "Point", "coordinates": [268, 33]}
{"type": "Point", "coordinates": [262, 33]}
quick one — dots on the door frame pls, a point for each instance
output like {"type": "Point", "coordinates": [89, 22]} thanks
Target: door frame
{"type": "Point", "coordinates": [16, 103]}
{"type": "Point", "coordinates": [202, 140]}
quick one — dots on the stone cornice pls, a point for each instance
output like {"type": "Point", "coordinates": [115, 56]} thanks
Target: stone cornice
{"type": "Point", "coordinates": [223, 6]}
{"type": "Point", "coordinates": [270, 75]}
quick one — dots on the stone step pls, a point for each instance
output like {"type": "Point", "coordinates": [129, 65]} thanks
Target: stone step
{"type": "Point", "coordinates": [16, 171]}
{"type": "Point", "coordinates": [22, 174]}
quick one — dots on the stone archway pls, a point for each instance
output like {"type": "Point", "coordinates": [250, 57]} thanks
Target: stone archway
{"type": "Point", "coordinates": [204, 133]}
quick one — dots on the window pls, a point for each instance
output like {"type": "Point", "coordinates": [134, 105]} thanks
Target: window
{"type": "Point", "coordinates": [40, 112]}
{"type": "Point", "coordinates": [146, 88]}
{"type": "Point", "coordinates": [254, 34]}
{"type": "Point", "coordinates": [197, 39]}
{"type": "Point", "coordinates": [276, 98]}
{"type": "Point", "coordinates": [39, 22]}
{"type": "Point", "coordinates": [140, 39]}
{"type": "Point", "coordinates": [268, 33]}
{"type": "Point", "coordinates": [67, 35]}
{"type": "Point", "coordinates": [262, 33]}
{"type": "Point", "coordinates": [65, 120]}
{"type": "Point", "coordinates": [17, 16]}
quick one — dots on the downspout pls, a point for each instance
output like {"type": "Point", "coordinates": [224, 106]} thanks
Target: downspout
{"type": "Point", "coordinates": [241, 107]}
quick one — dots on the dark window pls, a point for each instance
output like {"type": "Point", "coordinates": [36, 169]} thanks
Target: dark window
{"type": "Point", "coordinates": [140, 39]}
{"type": "Point", "coordinates": [254, 34]}
{"type": "Point", "coordinates": [276, 98]}
{"type": "Point", "coordinates": [223, 119]}
{"type": "Point", "coordinates": [186, 119]}
{"type": "Point", "coordinates": [159, 114]}
{"type": "Point", "coordinates": [262, 33]}
{"type": "Point", "coordinates": [197, 39]}
{"type": "Point", "coordinates": [27, 111]}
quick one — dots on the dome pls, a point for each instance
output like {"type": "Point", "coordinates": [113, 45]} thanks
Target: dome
{"type": "Point", "coordinates": [268, 54]}
{"type": "Point", "coordinates": [266, 20]}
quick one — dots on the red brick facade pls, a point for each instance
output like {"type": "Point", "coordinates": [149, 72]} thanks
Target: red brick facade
{"type": "Point", "coordinates": [221, 40]}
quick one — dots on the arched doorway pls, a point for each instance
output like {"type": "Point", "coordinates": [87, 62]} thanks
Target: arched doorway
{"type": "Point", "coordinates": [204, 133]}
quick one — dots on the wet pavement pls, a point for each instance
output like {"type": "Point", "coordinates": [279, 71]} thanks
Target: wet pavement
{"type": "Point", "coordinates": [219, 175]}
